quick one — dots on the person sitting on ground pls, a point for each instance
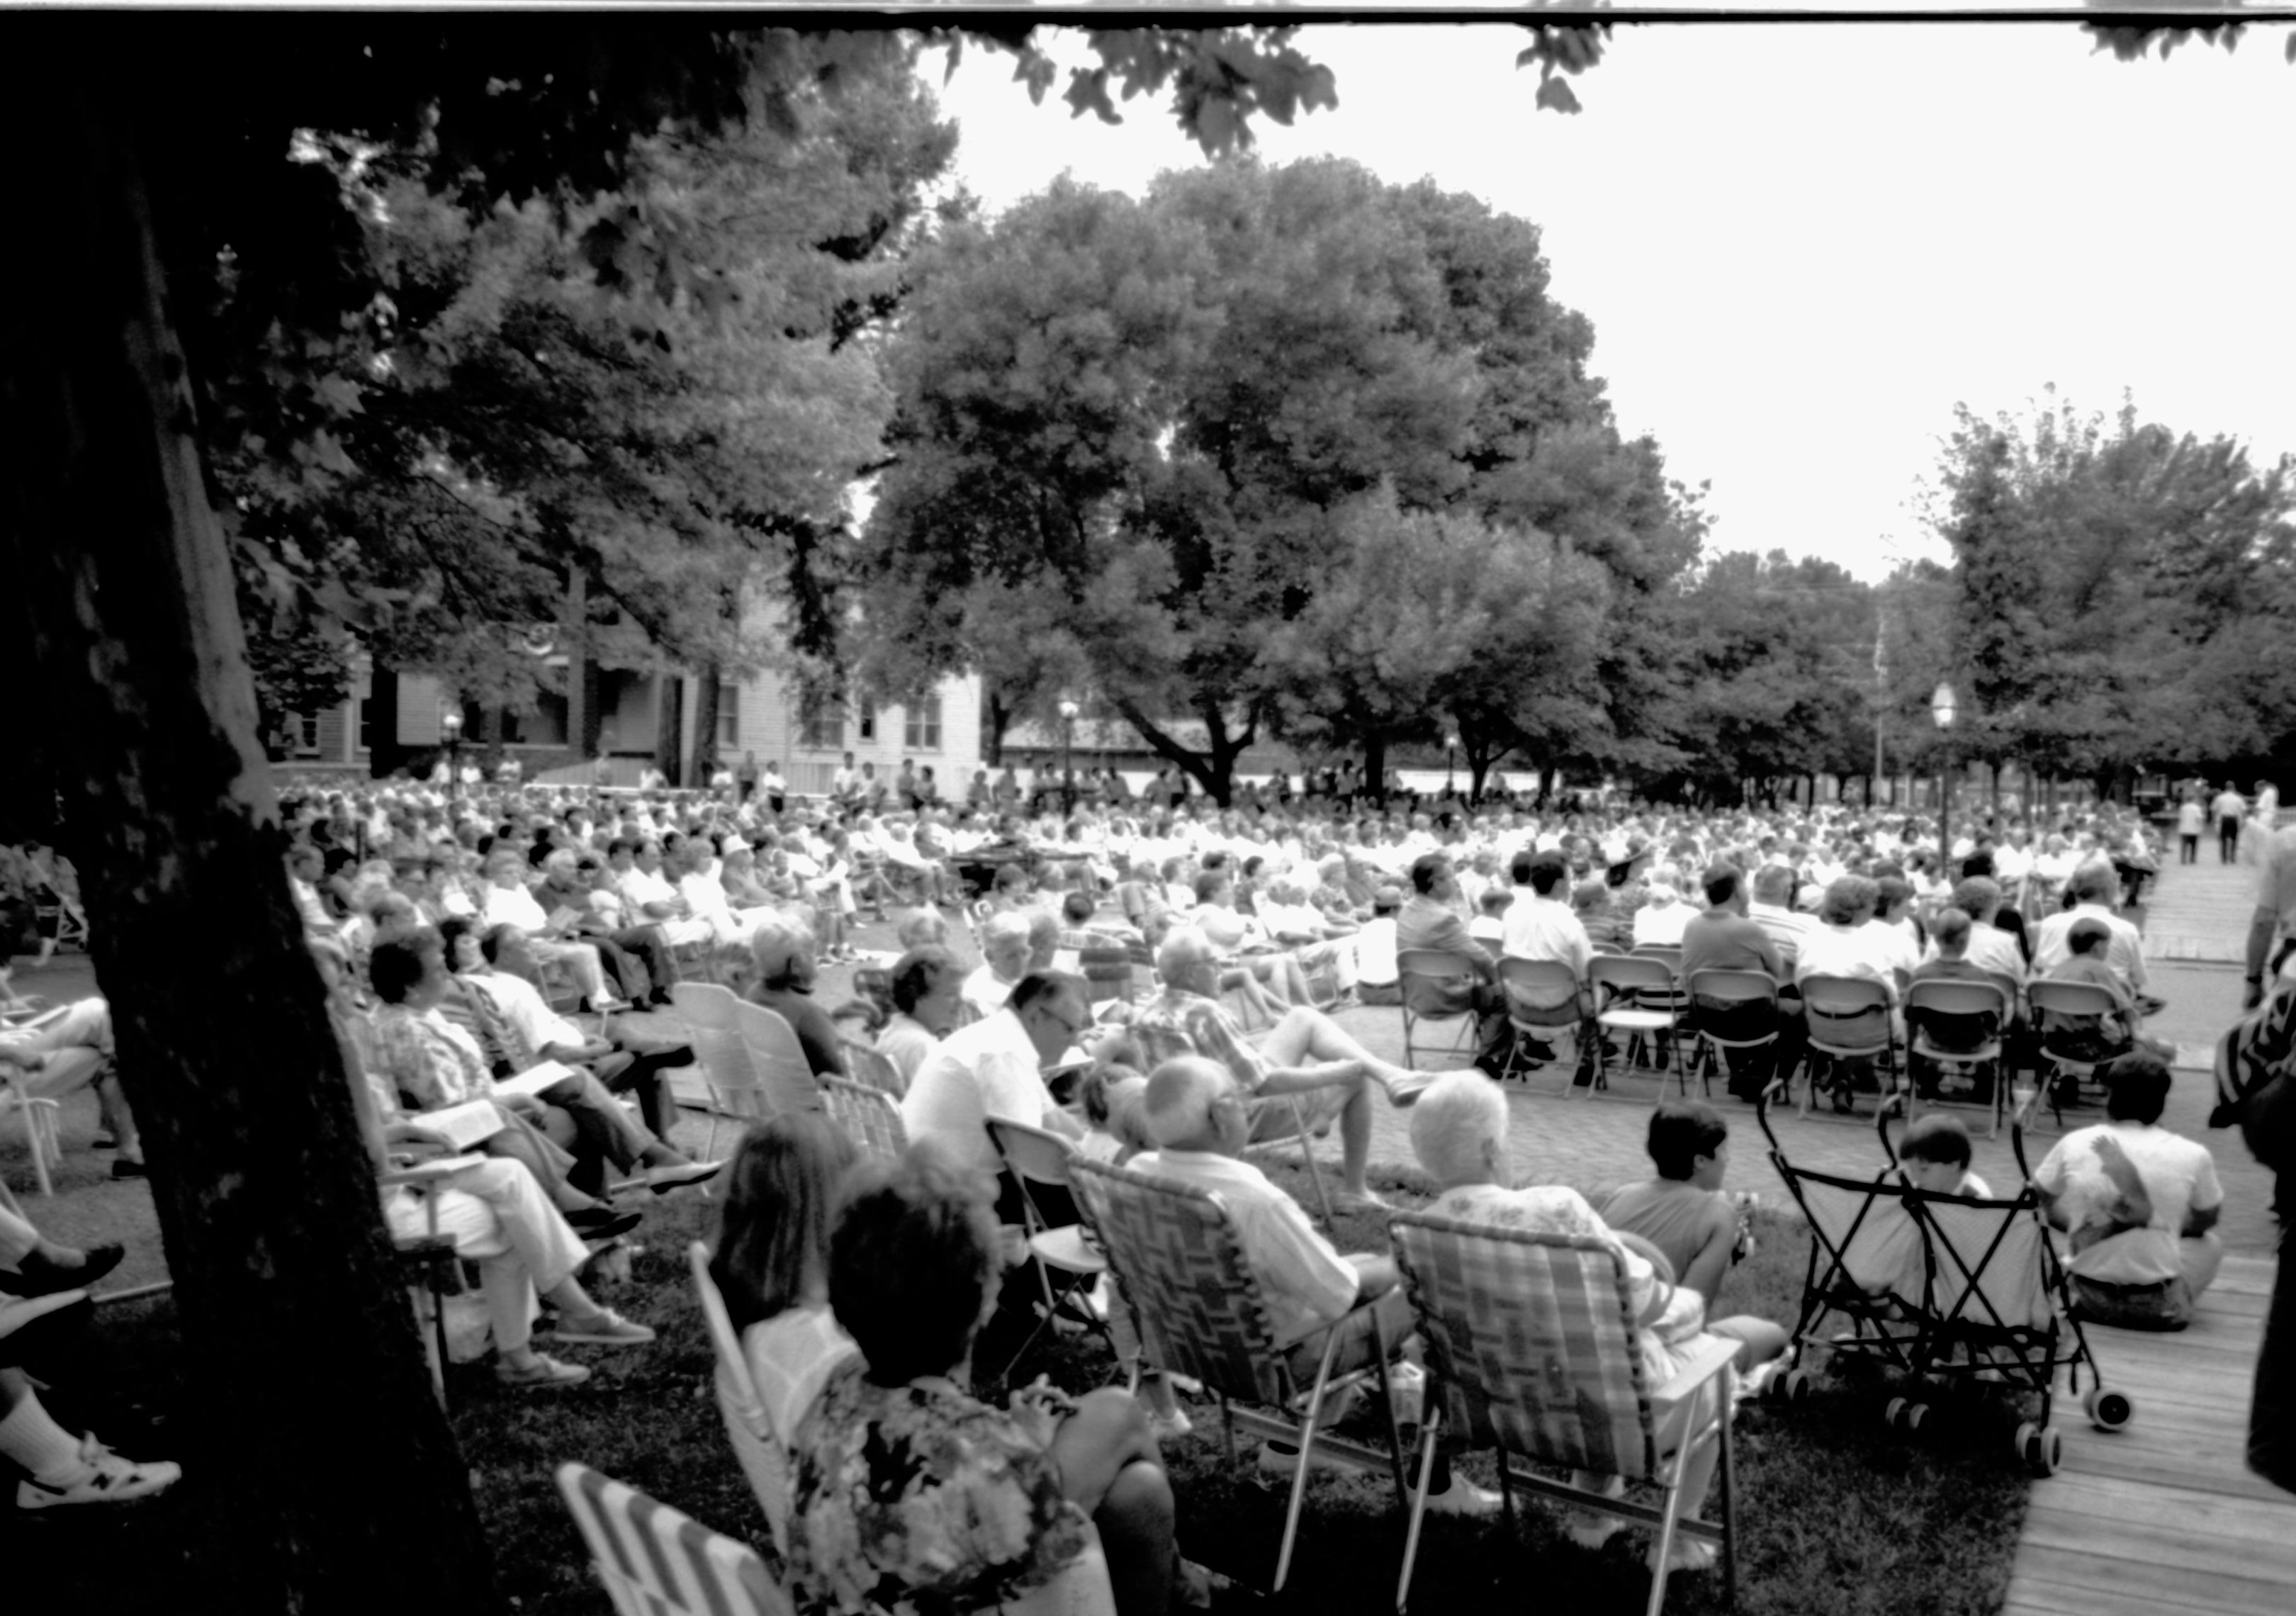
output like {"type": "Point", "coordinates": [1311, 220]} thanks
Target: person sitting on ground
{"type": "Point", "coordinates": [1696, 1226]}
{"type": "Point", "coordinates": [1004, 950]}
{"type": "Point", "coordinates": [1306, 1061]}
{"type": "Point", "coordinates": [1460, 1135]}
{"type": "Point", "coordinates": [61, 1052]}
{"type": "Point", "coordinates": [910, 1496]}
{"type": "Point", "coordinates": [783, 984]}
{"type": "Point", "coordinates": [2139, 1206]}
{"type": "Point", "coordinates": [771, 1266]}
{"type": "Point", "coordinates": [1202, 1119]}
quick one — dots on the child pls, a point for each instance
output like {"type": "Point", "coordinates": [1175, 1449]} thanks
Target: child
{"type": "Point", "coordinates": [2086, 1038]}
{"type": "Point", "coordinates": [1935, 1155]}
{"type": "Point", "coordinates": [1489, 928]}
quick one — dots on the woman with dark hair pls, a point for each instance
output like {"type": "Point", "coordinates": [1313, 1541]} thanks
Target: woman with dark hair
{"type": "Point", "coordinates": [913, 1495]}
{"type": "Point", "coordinates": [771, 1265]}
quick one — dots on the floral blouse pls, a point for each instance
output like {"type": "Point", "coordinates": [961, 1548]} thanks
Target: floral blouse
{"type": "Point", "coordinates": [428, 1060]}
{"type": "Point", "coordinates": [919, 1500]}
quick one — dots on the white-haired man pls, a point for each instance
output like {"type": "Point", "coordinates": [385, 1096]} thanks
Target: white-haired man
{"type": "Point", "coordinates": [1004, 950]}
{"type": "Point", "coordinates": [2093, 888]}
{"type": "Point", "coordinates": [1306, 1060]}
{"type": "Point", "coordinates": [1201, 1119]}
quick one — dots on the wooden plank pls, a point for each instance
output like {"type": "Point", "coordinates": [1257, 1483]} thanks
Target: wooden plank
{"type": "Point", "coordinates": [2221, 1591]}
{"type": "Point", "coordinates": [2175, 1475]}
{"type": "Point", "coordinates": [2034, 1596]}
{"type": "Point", "coordinates": [2195, 1554]}
{"type": "Point", "coordinates": [2175, 1507]}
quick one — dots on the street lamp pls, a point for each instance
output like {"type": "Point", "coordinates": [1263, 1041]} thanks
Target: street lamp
{"type": "Point", "coordinates": [1941, 711]}
{"type": "Point", "coordinates": [1068, 757]}
{"type": "Point", "coordinates": [450, 724]}
{"type": "Point", "coordinates": [1451, 764]}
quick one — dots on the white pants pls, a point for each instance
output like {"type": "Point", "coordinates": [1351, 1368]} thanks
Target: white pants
{"type": "Point", "coordinates": [76, 1044]}
{"type": "Point", "coordinates": [581, 958]}
{"type": "Point", "coordinates": [498, 1216]}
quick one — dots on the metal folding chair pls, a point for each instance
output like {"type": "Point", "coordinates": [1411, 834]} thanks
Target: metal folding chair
{"type": "Point", "coordinates": [1633, 996]}
{"type": "Point", "coordinates": [1848, 1020]}
{"type": "Point", "coordinates": [1985, 1009]}
{"type": "Point", "coordinates": [780, 1059]}
{"type": "Point", "coordinates": [1542, 997]}
{"type": "Point", "coordinates": [1716, 995]}
{"type": "Point", "coordinates": [2070, 1061]}
{"type": "Point", "coordinates": [737, 1093]}
{"type": "Point", "coordinates": [1432, 983]}
{"type": "Point", "coordinates": [1038, 1159]}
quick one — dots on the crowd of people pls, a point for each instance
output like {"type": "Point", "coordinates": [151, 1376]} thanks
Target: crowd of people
{"type": "Point", "coordinates": [449, 921]}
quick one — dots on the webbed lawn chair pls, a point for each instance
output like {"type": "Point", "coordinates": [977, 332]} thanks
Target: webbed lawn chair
{"type": "Point", "coordinates": [866, 1114]}
{"type": "Point", "coordinates": [1531, 1350]}
{"type": "Point", "coordinates": [737, 1093]}
{"type": "Point", "coordinates": [1198, 1306]}
{"type": "Point", "coordinates": [654, 1561]}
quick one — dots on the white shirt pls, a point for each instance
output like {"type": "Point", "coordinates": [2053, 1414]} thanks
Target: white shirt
{"type": "Point", "coordinates": [987, 1070]}
{"type": "Point", "coordinates": [1851, 951]}
{"type": "Point", "coordinates": [2179, 1177]}
{"type": "Point", "coordinates": [1305, 1282]}
{"type": "Point", "coordinates": [1375, 962]}
{"type": "Point", "coordinates": [638, 888]}
{"type": "Point", "coordinates": [1991, 949]}
{"type": "Point", "coordinates": [1788, 930]}
{"type": "Point", "coordinates": [984, 994]}
{"type": "Point", "coordinates": [516, 906]}
{"type": "Point", "coordinates": [526, 1010]}
{"type": "Point", "coordinates": [1545, 928]}
{"type": "Point", "coordinates": [1661, 923]}
{"type": "Point", "coordinates": [2124, 951]}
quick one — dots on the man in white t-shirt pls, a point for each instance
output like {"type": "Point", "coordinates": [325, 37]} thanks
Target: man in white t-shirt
{"type": "Point", "coordinates": [2093, 887]}
{"type": "Point", "coordinates": [647, 897]}
{"type": "Point", "coordinates": [509, 903]}
{"type": "Point", "coordinates": [994, 1069]}
{"type": "Point", "coordinates": [1540, 926]}
{"type": "Point", "coordinates": [2138, 1203]}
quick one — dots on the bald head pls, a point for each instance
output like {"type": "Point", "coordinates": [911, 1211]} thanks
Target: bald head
{"type": "Point", "coordinates": [1184, 1105]}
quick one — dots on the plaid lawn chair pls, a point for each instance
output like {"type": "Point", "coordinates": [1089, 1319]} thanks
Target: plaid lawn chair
{"type": "Point", "coordinates": [656, 1562]}
{"type": "Point", "coordinates": [1198, 1307]}
{"type": "Point", "coordinates": [866, 1114]}
{"type": "Point", "coordinates": [1530, 1347]}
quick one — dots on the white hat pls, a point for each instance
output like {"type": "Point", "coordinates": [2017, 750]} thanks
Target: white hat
{"type": "Point", "coordinates": [732, 845]}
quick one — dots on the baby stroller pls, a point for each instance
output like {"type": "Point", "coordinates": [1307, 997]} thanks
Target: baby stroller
{"type": "Point", "coordinates": [1960, 1296]}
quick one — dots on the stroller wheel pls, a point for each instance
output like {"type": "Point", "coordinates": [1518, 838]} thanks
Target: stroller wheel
{"type": "Point", "coordinates": [1789, 1386]}
{"type": "Point", "coordinates": [2109, 1410]}
{"type": "Point", "coordinates": [1903, 1413]}
{"type": "Point", "coordinates": [2040, 1447]}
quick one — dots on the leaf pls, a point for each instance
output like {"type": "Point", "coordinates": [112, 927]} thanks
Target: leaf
{"type": "Point", "coordinates": [1556, 94]}
{"type": "Point", "coordinates": [340, 394]}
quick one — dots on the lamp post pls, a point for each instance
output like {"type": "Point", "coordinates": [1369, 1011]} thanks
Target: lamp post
{"type": "Point", "coordinates": [1451, 763]}
{"type": "Point", "coordinates": [1068, 755]}
{"type": "Point", "coordinates": [450, 724]}
{"type": "Point", "coordinates": [1941, 711]}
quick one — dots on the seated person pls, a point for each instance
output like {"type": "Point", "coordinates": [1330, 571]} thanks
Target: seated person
{"type": "Point", "coordinates": [1607, 931]}
{"type": "Point", "coordinates": [1201, 1119]}
{"type": "Point", "coordinates": [1306, 1059]}
{"type": "Point", "coordinates": [1112, 1098]}
{"type": "Point", "coordinates": [1271, 982]}
{"type": "Point", "coordinates": [1378, 981]}
{"type": "Point", "coordinates": [771, 1265]}
{"type": "Point", "coordinates": [1459, 1131]}
{"type": "Point", "coordinates": [1428, 921]}
{"type": "Point", "coordinates": [2089, 1038]}
{"type": "Point", "coordinates": [1950, 934]}
{"type": "Point", "coordinates": [1004, 950]}
{"type": "Point", "coordinates": [1694, 1226]}
{"type": "Point", "coordinates": [510, 903]}
{"type": "Point", "coordinates": [981, 1504]}
{"type": "Point", "coordinates": [1935, 1154]}
{"type": "Point", "coordinates": [1725, 936]}
{"type": "Point", "coordinates": [63, 1051]}
{"type": "Point", "coordinates": [1489, 928]}
{"type": "Point", "coordinates": [925, 983]}
{"type": "Point", "coordinates": [783, 984]}
{"type": "Point", "coordinates": [2139, 1206]}
{"type": "Point", "coordinates": [995, 1068]}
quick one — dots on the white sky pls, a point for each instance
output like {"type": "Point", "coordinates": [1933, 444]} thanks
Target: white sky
{"type": "Point", "coordinates": [1801, 245]}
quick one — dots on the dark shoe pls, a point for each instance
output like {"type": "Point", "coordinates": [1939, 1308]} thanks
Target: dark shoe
{"type": "Point", "coordinates": [677, 1175]}
{"type": "Point", "coordinates": [124, 1168]}
{"type": "Point", "coordinates": [603, 1222]}
{"type": "Point", "coordinates": [46, 1279]}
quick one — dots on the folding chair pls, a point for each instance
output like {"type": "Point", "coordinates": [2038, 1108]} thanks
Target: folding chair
{"type": "Point", "coordinates": [1719, 1001]}
{"type": "Point", "coordinates": [711, 1015]}
{"type": "Point", "coordinates": [41, 1126]}
{"type": "Point", "coordinates": [780, 1059]}
{"type": "Point", "coordinates": [1039, 1159]}
{"type": "Point", "coordinates": [1848, 1020]}
{"type": "Point", "coordinates": [1542, 997]}
{"type": "Point", "coordinates": [757, 1446]}
{"type": "Point", "coordinates": [2073, 1062]}
{"type": "Point", "coordinates": [1531, 1350]}
{"type": "Point", "coordinates": [653, 1561]}
{"type": "Point", "coordinates": [1158, 1046]}
{"type": "Point", "coordinates": [1985, 1008]}
{"type": "Point", "coordinates": [1432, 983]}
{"type": "Point", "coordinates": [866, 1114]}
{"type": "Point", "coordinates": [1197, 1302]}
{"type": "Point", "coordinates": [1633, 996]}
{"type": "Point", "coordinates": [875, 1067]}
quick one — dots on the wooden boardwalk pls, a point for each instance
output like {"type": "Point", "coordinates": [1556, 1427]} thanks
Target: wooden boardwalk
{"type": "Point", "coordinates": [2164, 1515]}
{"type": "Point", "coordinates": [2198, 914]}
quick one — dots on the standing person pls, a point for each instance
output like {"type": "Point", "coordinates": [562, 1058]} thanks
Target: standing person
{"type": "Point", "coordinates": [772, 786]}
{"type": "Point", "coordinates": [2229, 807]}
{"type": "Point", "coordinates": [2256, 1088]}
{"type": "Point", "coordinates": [745, 778]}
{"type": "Point", "coordinates": [2192, 818]}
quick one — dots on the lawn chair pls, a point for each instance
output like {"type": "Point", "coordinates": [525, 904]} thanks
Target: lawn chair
{"type": "Point", "coordinates": [2069, 1060]}
{"type": "Point", "coordinates": [653, 1561]}
{"type": "Point", "coordinates": [1634, 994]}
{"type": "Point", "coordinates": [1848, 1020]}
{"type": "Point", "coordinates": [1866, 1266]}
{"type": "Point", "coordinates": [1197, 1302]}
{"type": "Point", "coordinates": [875, 1067]}
{"type": "Point", "coordinates": [1039, 1159]}
{"type": "Point", "coordinates": [1984, 1008]}
{"type": "Point", "coordinates": [1718, 1003]}
{"type": "Point", "coordinates": [1531, 1350]}
{"type": "Point", "coordinates": [1542, 997]}
{"type": "Point", "coordinates": [1158, 1046]}
{"type": "Point", "coordinates": [866, 1114]}
{"type": "Point", "coordinates": [737, 1093]}
{"type": "Point", "coordinates": [42, 1130]}
{"type": "Point", "coordinates": [780, 1059]}
{"type": "Point", "coordinates": [1432, 984]}
{"type": "Point", "coordinates": [758, 1448]}
{"type": "Point", "coordinates": [1107, 973]}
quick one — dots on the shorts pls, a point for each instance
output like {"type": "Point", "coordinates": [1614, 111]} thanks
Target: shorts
{"type": "Point", "coordinates": [2165, 1305]}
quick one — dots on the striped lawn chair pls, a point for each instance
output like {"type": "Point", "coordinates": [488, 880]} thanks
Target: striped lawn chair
{"type": "Point", "coordinates": [868, 1115]}
{"type": "Point", "coordinates": [1198, 1306]}
{"type": "Point", "coordinates": [655, 1561]}
{"type": "Point", "coordinates": [1530, 1348]}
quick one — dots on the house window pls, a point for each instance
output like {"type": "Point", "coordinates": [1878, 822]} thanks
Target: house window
{"type": "Point", "coordinates": [924, 725]}
{"type": "Point", "coordinates": [729, 715]}
{"type": "Point", "coordinates": [868, 724]}
{"type": "Point", "coordinates": [307, 733]}
{"type": "Point", "coordinates": [821, 723]}
{"type": "Point", "coordinates": [367, 711]}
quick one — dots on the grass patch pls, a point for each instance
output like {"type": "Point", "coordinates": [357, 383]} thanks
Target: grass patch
{"type": "Point", "coordinates": [1835, 1513]}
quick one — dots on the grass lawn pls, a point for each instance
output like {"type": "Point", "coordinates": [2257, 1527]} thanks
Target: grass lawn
{"type": "Point", "coordinates": [1835, 1513]}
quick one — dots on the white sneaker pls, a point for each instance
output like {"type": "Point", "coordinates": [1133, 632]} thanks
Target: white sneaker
{"type": "Point", "coordinates": [608, 1329]}
{"type": "Point", "coordinates": [106, 1478]}
{"type": "Point", "coordinates": [1463, 1497]}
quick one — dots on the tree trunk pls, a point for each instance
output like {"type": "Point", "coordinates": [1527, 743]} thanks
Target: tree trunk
{"type": "Point", "coordinates": [387, 751]}
{"type": "Point", "coordinates": [314, 1448]}
{"type": "Point", "coordinates": [581, 682]}
{"type": "Point", "coordinates": [705, 727]}
{"type": "Point", "coordinates": [1376, 765]}
{"type": "Point", "coordinates": [996, 718]}
{"type": "Point", "coordinates": [668, 744]}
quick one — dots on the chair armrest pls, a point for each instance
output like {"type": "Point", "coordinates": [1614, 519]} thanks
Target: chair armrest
{"type": "Point", "coordinates": [1710, 1361]}
{"type": "Point", "coordinates": [427, 1172]}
